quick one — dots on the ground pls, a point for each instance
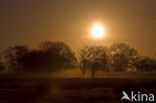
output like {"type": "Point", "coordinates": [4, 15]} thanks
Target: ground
{"type": "Point", "coordinates": [24, 89]}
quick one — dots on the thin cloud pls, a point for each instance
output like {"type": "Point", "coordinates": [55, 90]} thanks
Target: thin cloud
{"type": "Point", "coordinates": [145, 22]}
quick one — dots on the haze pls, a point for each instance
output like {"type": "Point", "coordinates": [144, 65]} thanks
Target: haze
{"type": "Point", "coordinates": [28, 22]}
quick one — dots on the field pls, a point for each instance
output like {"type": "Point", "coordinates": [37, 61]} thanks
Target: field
{"type": "Point", "coordinates": [24, 89]}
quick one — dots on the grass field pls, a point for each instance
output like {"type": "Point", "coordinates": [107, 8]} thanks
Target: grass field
{"type": "Point", "coordinates": [22, 89]}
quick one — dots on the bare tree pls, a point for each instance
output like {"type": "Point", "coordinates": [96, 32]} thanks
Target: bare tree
{"type": "Point", "coordinates": [1, 64]}
{"type": "Point", "coordinates": [58, 53]}
{"type": "Point", "coordinates": [50, 57]}
{"type": "Point", "coordinates": [83, 56]}
{"type": "Point", "coordinates": [146, 64]}
{"type": "Point", "coordinates": [123, 56]}
{"type": "Point", "coordinates": [14, 56]}
{"type": "Point", "coordinates": [93, 58]}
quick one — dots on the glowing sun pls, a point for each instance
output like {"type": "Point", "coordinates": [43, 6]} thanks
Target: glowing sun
{"type": "Point", "coordinates": [98, 31]}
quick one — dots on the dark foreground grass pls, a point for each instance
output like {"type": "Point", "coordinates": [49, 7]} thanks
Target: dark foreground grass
{"type": "Point", "coordinates": [71, 90]}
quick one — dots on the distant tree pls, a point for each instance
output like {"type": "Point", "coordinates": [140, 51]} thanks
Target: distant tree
{"type": "Point", "coordinates": [51, 56]}
{"type": "Point", "coordinates": [34, 61]}
{"type": "Point", "coordinates": [93, 58]}
{"type": "Point", "coordinates": [83, 58]}
{"type": "Point", "coordinates": [146, 64]}
{"type": "Point", "coordinates": [123, 56]}
{"type": "Point", "coordinates": [14, 57]}
{"type": "Point", "coordinates": [1, 65]}
{"type": "Point", "coordinates": [60, 53]}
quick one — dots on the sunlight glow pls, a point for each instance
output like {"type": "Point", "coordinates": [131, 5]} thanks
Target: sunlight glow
{"type": "Point", "coordinates": [97, 31]}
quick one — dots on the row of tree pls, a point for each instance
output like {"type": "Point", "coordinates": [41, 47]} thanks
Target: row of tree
{"type": "Point", "coordinates": [53, 56]}
{"type": "Point", "coordinates": [119, 57]}
{"type": "Point", "coordinates": [50, 56]}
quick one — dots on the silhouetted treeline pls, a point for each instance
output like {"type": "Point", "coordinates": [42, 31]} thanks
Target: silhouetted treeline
{"type": "Point", "coordinates": [53, 56]}
{"type": "Point", "coordinates": [94, 58]}
{"type": "Point", "coordinates": [146, 64]}
{"type": "Point", "coordinates": [49, 57]}
{"type": "Point", "coordinates": [120, 57]}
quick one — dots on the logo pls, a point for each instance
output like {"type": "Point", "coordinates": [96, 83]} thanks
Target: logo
{"type": "Point", "coordinates": [140, 97]}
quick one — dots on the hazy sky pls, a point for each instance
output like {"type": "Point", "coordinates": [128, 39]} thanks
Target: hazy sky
{"type": "Point", "coordinates": [28, 22]}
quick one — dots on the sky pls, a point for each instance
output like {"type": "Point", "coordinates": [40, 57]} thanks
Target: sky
{"type": "Point", "coordinates": [28, 22]}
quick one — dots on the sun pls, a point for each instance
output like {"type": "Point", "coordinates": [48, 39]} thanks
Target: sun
{"type": "Point", "coordinates": [98, 30]}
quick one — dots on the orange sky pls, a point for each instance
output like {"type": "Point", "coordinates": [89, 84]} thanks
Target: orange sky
{"type": "Point", "coordinates": [29, 22]}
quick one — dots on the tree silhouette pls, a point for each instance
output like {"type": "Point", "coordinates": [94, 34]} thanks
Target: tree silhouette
{"type": "Point", "coordinates": [14, 56]}
{"type": "Point", "coordinates": [35, 61]}
{"type": "Point", "coordinates": [122, 56]}
{"type": "Point", "coordinates": [51, 56]}
{"type": "Point", "coordinates": [146, 64]}
{"type": "Point", "coordinates": [93, 58]}
{"type": "Point", "coordinates": [60, 53]}
{"type": "Point", "coordinates": [1, 64]}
